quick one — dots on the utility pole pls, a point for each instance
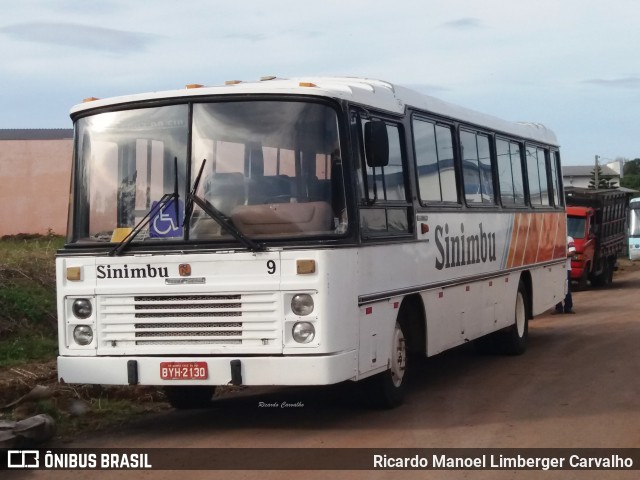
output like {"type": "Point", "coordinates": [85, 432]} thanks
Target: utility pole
{"type": "Point", "coordinates": [596, 176]}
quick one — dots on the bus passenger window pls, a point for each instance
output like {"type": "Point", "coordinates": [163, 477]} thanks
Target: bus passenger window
{"type": "Point", "coordinates": [388, 183]}
{"type": "Point", "coordinates": [393, 172]}
{"type": "Point", "coordinates": [556, 178]}
{"type": "Point", "coordinates": [434, 162]}
{"type": "Point", "coordinates": [384, 210]}
{"type": "Point", "coordinates": [510, 172]}
{"type": "Point", "coordinates": [537, 175]}
{"type": "Point", "coordinates": [542, 169]}
{"type": "Point", "coordinates": [476, 168]}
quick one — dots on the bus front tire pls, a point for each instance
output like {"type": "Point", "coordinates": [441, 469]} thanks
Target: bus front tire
{"type": "Point", "coordinates": [189, 397]}
{"type": "Point", "coordinates": [387, 389]}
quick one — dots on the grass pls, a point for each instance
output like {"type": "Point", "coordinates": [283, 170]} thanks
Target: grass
{"type": "Point", "coordinates": [28, 344]}
{"type": "Point", "coordinates": [103, 413]}
{"type": "Point", "coordinates": [27, 298]}
{"type": "Point", "coordinates": [20, 349]}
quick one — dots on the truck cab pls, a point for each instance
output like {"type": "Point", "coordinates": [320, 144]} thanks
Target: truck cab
{"type": "Point", "coordinates": [582, 227]}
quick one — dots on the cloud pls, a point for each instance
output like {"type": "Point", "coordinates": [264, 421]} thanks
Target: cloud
{"type": "Point", "coordinates": [298, 35]}
{"type": "Point", "coordinates": [251, 37]}
{"type": "Point", "coordinates": [628, 82]}
{"type": "Point", "coordinates": [80, 36]}
{"type": "Point", "coordinates": [466, 23]}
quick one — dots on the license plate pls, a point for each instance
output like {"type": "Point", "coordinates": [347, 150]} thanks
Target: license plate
{"type": "Point", "coordinates": [184, 371]}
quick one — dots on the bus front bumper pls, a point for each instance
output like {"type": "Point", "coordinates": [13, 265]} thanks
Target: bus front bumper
{"type": "Point", "coordinates": [289, 370]}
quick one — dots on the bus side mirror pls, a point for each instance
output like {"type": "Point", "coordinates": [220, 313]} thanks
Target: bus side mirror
{"type": "Point", "coordinates": [376, 144]}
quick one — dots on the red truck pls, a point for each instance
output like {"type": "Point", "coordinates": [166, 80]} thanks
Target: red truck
{"type": "Point", "coordinates": [596, 221]}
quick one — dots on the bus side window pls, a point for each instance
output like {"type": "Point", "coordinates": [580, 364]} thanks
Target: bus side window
{"type": "Point", "coordinates": [509, 165]}
{"type": "Point", "coordinates": [386, 183]}
{"type": "Point", "coordinates": [537, 176]}
{"type": "Point", "coordinates": [476, 168]}
{"type": "Point", "coordinates": [556, 180]}
{"type": "Point", "coordinates": [434, 162]}
{"type": "Point", "coordinates": [385, 206]}
{"type": "Point", "coordinates": [544, 183]}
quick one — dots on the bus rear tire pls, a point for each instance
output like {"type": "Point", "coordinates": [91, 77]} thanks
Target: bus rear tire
{"type": "Point", "coordinates": [189, 397]}
{"type": "Point", "coordinates": [514, 339]}
{"type": "Point", "coordinates": [387, 389]}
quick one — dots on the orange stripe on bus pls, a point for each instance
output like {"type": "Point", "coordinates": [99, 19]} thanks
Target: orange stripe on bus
{"type": "Point", "coordinates": [536, 237]}
{"type": "Point", "coordinates": [531, 247]}
{"type": "Point", "coordinates": [554, 239]}
{"type": "Point", "coordinates": [512, 243]}
{"type": "Point", "coordinates": [561, 238]}
{"type": "Point", "coordinates": [521, 243]}
{"type": "Point", "coordinates": [540, 238]}
{"type": "Point", "coordinates": [548, 233]}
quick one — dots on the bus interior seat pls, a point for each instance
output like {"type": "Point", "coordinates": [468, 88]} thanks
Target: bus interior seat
{"type": "Point", "coordinates": [274, 219]}
{"type": "Point", "coordinates": [319, 190]}
{"type": "Point", "coordinates": [224, 191]}
{"type": "Point", "coordinates": [269, 189]}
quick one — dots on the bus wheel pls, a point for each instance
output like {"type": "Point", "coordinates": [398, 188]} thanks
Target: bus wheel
{"type": "Point", "coordinates": [387, 389]}
{"type": "Point", "coordinates": [188, 397]}
{"type": "Point", "coordinates": [513, 340]}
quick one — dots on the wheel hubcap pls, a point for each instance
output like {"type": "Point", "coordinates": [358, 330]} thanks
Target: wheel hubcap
{"type": "Point", "coordinates": [398, 357]}
{"type": "Point", "coordinates": [520, 315]}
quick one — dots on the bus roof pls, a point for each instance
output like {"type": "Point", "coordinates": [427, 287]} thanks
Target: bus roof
{"type": "Point", "coordinates": [364, 91]}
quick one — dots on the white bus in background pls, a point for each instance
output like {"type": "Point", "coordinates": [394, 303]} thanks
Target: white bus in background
{"type": "Point", "coordinates": [634, 228]}
{"type": "Point", "coordinates": [300, 232]}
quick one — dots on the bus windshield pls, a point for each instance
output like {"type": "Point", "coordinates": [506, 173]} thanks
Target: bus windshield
{"type": "Point", "coordinates": [634, 222]}
{"type": "Point", "coordinates": [270, 168]}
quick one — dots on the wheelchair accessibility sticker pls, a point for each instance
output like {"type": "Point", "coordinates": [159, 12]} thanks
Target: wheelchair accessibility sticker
{"type": "Point", "coordinates": [164, 223]}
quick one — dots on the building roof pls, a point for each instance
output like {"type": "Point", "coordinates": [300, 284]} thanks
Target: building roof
{"type": "Point", "coordinates": [586, 171]}
{"type": "Point", "coordinates": [36, 133]}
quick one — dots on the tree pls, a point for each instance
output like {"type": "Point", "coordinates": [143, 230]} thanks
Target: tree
{"type": "Point", "coordinates": [604, 181]}
{"type": "Point", "coordinates": [631, 178]}
{"type": "Point", "coordinates": [631, 167]}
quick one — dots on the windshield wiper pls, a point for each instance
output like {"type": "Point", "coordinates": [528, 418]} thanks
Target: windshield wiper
{"type": "Point", "coordinates": [157, 208]}
{"type": "Point", "coordinates": [188, 208]}
{"type": "Point", "coordinates": [220, 218]}
{"type": "Point", "coordinates": [226, 224]}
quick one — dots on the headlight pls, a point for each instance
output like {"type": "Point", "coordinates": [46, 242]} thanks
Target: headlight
{"type": "Point", "coordinates": [303, 332]}
{"type": "Point", "coordinates": [83, 334]}
{"type": "Point", "coordinates": [302, 304]}
{"type": "Point", "coordinates": [81, 308]}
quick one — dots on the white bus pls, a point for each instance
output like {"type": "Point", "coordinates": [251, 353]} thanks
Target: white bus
{"type": "Point", "coordinates": [634, 228]}
{"type": "Point", "coordinates": [300, 232]}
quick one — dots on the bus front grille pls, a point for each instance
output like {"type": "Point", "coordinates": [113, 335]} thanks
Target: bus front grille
{"type": "Point", "coordinates": [141, 323]}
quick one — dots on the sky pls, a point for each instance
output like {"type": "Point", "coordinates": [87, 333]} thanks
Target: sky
{"type": "Point", "coordinates": [569, 64]}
